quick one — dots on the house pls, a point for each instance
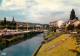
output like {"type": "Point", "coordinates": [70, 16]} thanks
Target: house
{"type": "Point", "coordinates": [57, 23]}
{"type": "Point", "coordinates": [76, 23]}
{"type": "Point", "coordinates": [26, 25]}
{"type": "Point", "coordinates": [58, 30]}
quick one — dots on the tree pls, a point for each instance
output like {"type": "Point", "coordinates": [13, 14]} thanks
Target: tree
{"type": "Point", "coordinates": [51, 29]}
{"type": "Point", "coordinates": [70, 27]}
{"type": "Point", "coordinates": [4, 20]}
{"type": "Point", "coordinates": [78, 27]}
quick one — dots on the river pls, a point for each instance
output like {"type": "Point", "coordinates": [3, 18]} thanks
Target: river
{"type": "Point", "coordinates": [25, 48]}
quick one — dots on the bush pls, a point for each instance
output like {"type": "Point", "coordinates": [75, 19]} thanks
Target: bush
{"type": "Point", "coordinates": [70, 27]}
{"type": "Point", "coordinates": [78, 32]}
{"type": "Point", "coordinates": [42, 42]}
{"type": "Point", "coordinates": [51, 29]}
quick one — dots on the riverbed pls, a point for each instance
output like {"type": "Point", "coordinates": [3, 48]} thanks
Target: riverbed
{"type": "Point", "coordinates": [25, 48]}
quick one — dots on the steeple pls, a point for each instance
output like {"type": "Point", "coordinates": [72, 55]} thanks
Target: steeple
{"type": "Point", "coordinates": [72, 16]}
{"type": "Point", "coordinates": [4, 20]}
{"type": "Point", "coordinates": [13, 19]}
{"type": "Point", "coordinates": [13, 23]}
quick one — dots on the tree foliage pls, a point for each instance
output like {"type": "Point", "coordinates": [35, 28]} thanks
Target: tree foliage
{"type": "Point", "coordinates": [70, 27]}
{"type": "Point", "coordinates": [7, 24]}
{"type": "Point", "coordinates": [51, 29]}
{"type": "Point", "coordinates": [78, 27]}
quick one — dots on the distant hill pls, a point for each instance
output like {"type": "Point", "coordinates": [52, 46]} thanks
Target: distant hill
{"type": "Point", "coordinates": [31, 23]}
{"type": "Point", "coordinates": [28, 23]}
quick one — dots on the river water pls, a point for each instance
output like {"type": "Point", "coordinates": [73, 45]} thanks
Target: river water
{"type": "Point", "coordinates": [25, 48]}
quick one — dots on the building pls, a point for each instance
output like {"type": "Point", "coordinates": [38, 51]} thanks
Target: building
{"type": "Point", "coordinates": [76, 23]}
{"type": "Point", "coordinates": [57, 23]}
{"type": "Point", "coordinates": [60, 23]}
{"type": "Point", "coordinates": [53, 23]}
{"type": "Point", "coordinates": [58, 30]}
{"type": "Point", "coordinates": [26, 25]}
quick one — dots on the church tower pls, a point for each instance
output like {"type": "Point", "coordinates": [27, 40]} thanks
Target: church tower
{"type": "Point", "coordinates": [13, 23]}
{"type": "Point", "coordinates": [13, 19]}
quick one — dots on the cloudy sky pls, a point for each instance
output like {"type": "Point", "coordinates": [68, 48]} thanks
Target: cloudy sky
{"type": "Point", "coordinates": [38, 11]}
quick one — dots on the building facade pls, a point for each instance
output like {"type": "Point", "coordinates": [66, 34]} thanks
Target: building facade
{"type": "Point", "coordinates": [57, 23]}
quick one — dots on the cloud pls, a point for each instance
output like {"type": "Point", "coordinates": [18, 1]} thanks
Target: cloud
{"type": "Point", "coordinates": [0, 2]}
{"type": "Point", "coordinates": [42, 11]}
{"type": "Point", "coordinates": [13, 4]}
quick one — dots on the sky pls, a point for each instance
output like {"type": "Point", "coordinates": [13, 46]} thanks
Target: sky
{"type": "Point", "coordinates": [38, 11]}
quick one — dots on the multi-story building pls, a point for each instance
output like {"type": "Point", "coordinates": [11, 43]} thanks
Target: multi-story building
{"type": "Point", "coordinates": [57, 23]}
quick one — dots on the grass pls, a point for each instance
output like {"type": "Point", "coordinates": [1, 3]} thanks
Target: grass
{"type": "Point", "coordinates": [61, 50]}
{"type": "Point", "coordinates": [51, 34]}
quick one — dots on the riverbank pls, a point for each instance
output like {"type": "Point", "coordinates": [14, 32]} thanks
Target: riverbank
{"type": "Point", "coordinates": [59, 44]}
{"type": "Point", "coordinates": [62, 45]}
{"type": "Point", "coordinates": [8, 40]}
{"type": "Point", "coordinates": [36, 51]}
{"type": "Point", "coordinates": [47, 38]}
